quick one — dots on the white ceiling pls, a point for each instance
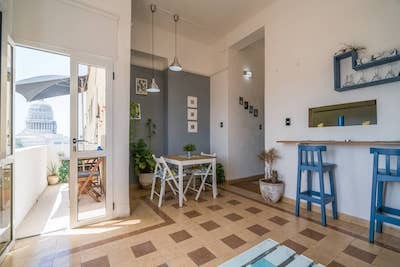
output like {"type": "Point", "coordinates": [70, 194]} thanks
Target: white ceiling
{"type": "Point", "coordinates": [210, 19]}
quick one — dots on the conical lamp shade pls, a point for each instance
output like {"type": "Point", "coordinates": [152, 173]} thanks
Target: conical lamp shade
{"type": "Point", "coordinates": [175, 66]}
{"type": "Point", "coordinates": [153, 87]}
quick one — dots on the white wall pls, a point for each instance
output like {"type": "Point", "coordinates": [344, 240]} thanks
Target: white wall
{"type": "Point", "coordinates": [218, 114]}
{"type": "Point", "coordinates": [30, 178]}
{"type": "Point", "coordinates": [95, 27]}
{"type": "Point", "coordinates": [246, 140]}
{"type": "Point", "coordinates": [301, 38]}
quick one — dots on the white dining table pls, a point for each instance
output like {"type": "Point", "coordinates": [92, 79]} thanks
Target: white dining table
{"type": "Point", "coordinates": [182, 161]}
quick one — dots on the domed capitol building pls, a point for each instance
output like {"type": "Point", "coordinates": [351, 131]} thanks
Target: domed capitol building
{"type": "Point", "coordinates": [40, 127]}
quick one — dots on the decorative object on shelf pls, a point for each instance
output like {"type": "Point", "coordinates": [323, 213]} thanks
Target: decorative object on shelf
{"type": "Point", "coordinates": [141, 86]}
{"type": "Point", "coordinates": [251, 108]}
{"type": "Point", "coordinates": [246, 105]}
{"type": "Point", "coordinates": [241, 100]}
{"type": "Point", "coordinates": [153, 87]}
{"type": "Point", "coordinates": [255, 112]}
{"type": "Point", "coordinates": [192, 126]}
{"type": "Point", "coordinates": [192, 114]}
{"type": "Point", "coordinates": [271, 187]}
{"type": "Point", "coordinates": [189, 149]}
{"type": "Point", "coordinates": [364, 63]}
{"type": "Point", "coordinates": [192, 102]}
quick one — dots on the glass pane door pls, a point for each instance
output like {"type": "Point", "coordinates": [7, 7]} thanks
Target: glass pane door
{"type": "Point", "coordinates": [90, 143]}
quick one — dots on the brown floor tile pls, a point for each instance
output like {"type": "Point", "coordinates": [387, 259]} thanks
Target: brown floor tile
{"type": "Point", "coordinates": [163, 265]}
{"type": "Point", "coordinates": [295, 246]}
{"type": "Point", "coordinates": [233, 217]}
{"type": "Point", "coordinates": [143, 249]}
{"type": "Point", "coordinates": [258, 229]}
{"type": "Point", "coordinates": [209, 225]}
{"type": "Point", "coordinates": [234, 202]}
{"type": "Point", "coordinates": [98, 262]}
{"type": "Point", "coordinates": [233, 241]}
{"type": "Point", "coordinates": [215, 207]}
{"type": "Point", "coordinates": [335, 264]}
{"type": "Point", "coordinates": [253, 210]}
{"type": "Point", "coordinates": [201, 256]}
{"type": "Point", "coordinates": [193, 213]}
{"type": "Point", "coordinates": [317, 236]}
{"type": "Point", "coordinates": [180, 236]}
{"type": "Point", "coordinates": [278, 220]}
{"type": "Point", "coordinates": [360, 254]}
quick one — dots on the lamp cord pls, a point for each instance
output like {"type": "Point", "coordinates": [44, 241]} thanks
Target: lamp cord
{"type": "Point", "coordinates": [152, 40]}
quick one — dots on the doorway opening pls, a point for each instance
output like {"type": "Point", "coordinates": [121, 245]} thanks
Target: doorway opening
{"type": "Point", "coordinates": [42, 134]}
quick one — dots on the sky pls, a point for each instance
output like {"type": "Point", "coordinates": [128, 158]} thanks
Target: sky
{"type": "Point", "coordinates": [30, 63]}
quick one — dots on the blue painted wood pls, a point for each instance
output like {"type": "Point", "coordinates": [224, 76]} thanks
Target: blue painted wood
{"type": "Point", "coordinates": [379, 212]}
{"type": "Point", "coordinates": [310, 160]}
{"type": "Point", "coordinates": [357, 67]}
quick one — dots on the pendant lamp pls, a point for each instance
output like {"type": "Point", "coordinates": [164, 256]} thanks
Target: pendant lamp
{"type": "Point", "coordinates": [175, 66]}
{"type": "Point", "coordinates": [153, 86]}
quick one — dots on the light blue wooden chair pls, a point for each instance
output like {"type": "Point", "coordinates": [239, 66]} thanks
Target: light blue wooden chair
{"type": "Point", "coordinates": [379, 212]}
{"type": "Point", "coordinates": [310, 161]}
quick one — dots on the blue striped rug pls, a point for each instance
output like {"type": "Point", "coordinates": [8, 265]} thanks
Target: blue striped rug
{"type": "Point", "coordinates": [270, 253]}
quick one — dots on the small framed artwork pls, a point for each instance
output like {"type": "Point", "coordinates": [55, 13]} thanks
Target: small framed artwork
{"type": "Point", "coordinates": [241, 100]}
{"type": "Point", "coordinates": [246, 105]}
{"type": "Point", "coordinates": [138, 113]}
{"type": "Point", "coordinates": [192, 114]}
{"type": "Point", "coordinates": [192, 102]}
{"type": "Point", "coordinates": [255, 112]}
{"type": "Point", "coordinates": [251, 109]}
{"type": "Point", "coordinates": [141, 86]}
{"type": "Point", "coordinates": [192, 126]}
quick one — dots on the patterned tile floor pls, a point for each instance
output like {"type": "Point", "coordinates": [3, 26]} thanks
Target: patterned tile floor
{"type": "Point", "coordinates": [207, 232]}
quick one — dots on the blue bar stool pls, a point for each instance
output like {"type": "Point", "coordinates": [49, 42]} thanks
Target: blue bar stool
{"type": "Point", "coordinates": [379, 212]}
{"type": "Point", "coordinates": [310, 161]}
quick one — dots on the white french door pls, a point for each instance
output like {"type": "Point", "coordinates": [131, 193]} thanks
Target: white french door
{"type": "Point", "coordinates": [91, 140]}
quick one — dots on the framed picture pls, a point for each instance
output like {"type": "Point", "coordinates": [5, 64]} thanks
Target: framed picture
{"type": "Point", "coordinates": [138, 113]}
{"type": "Point", "coordinates": [141, 86]}
{"type": "Point", "coordinates": [192, 114]}
{"type": "Point", "coordinates": [246, 105]}
{"type": "Point", "coordinates": [255, 112]}
{"type": "Point", "coordinates": [192, 126]}
{"type": "Point", "coordinates": [240, 100]}
{"type": "Point", "coordinates": [251, 109]}
{"type": "Point", "coordinates": [192, 102]}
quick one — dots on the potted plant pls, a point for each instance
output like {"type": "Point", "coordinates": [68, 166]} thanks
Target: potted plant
{"type": "Point", "coordinates": [52, 173]}
{"type": "Point", "coordinates": [63, 171]}
{"type": "Point", "coordinates": [143, 163]}
{"type": "Point", "coordinates": [271, 187]}
{"type": "Point", "coordinates": [189, 148]}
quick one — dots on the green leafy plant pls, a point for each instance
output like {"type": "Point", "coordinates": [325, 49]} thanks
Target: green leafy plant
{"type": "Point", "coordinates": [151, 130]}
{"type": "Point", "coordinates": [270, 156]}
{"type": "Point", "coordinates": [220, 172]}
{"type": "Point", "coordinates": [143, 160]}
{"type": "Point", "coordinates": [189, 148]}
{"type": "Point", "coordinates": [52, 170]}
{"type": "Point", "coordinates": [63, 171]}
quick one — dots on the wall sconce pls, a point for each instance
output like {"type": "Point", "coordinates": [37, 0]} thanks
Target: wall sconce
{"type": "Point", "coordinates": [247, 74]}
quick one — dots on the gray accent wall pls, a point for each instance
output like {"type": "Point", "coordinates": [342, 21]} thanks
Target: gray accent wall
{"type": "Point", "coordinates": [180, 86]}
{"type": "Point", "coordinates": [168, 110]}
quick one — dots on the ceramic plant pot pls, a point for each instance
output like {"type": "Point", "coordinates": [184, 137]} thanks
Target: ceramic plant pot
{"type": "Point", "coordinates": [52, 179]}
{"type": "Point", "coordinates": [271, 192]}
{"type": "Point", "coordinates": [145, 180]}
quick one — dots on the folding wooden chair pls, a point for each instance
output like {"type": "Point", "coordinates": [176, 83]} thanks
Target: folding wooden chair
{"type": "Point", "coordinates": [89, 178]}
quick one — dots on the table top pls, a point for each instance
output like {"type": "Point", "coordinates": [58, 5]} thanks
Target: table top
{"type": "Point", "coordinates": [184, 158]}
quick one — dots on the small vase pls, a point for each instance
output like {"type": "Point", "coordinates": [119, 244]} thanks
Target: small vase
{"type": "Point", "coordinates": [188, 154]}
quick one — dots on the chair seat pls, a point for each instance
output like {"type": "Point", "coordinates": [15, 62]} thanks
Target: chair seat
{"type": "Point", "coordinates": [82, 174]}
{"type": "Point", "coordinates": [200, 171]}
{"type": "Point", "coordinates": [325, 167]}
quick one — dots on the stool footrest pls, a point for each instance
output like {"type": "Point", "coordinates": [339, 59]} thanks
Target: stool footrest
{"type": "Point", "coordinates": [388, 210]}
{"type": "Point", "coordinates": [387, 218]}
{"type": "Point", "coordinates": [315, 197]}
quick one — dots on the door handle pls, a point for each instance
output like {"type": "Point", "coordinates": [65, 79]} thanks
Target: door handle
{"type": "Point", "coordinates": [76, 140]}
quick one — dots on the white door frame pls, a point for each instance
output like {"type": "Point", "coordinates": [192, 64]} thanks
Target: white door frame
{"type": "Point", "coordinates": [106, 63]}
